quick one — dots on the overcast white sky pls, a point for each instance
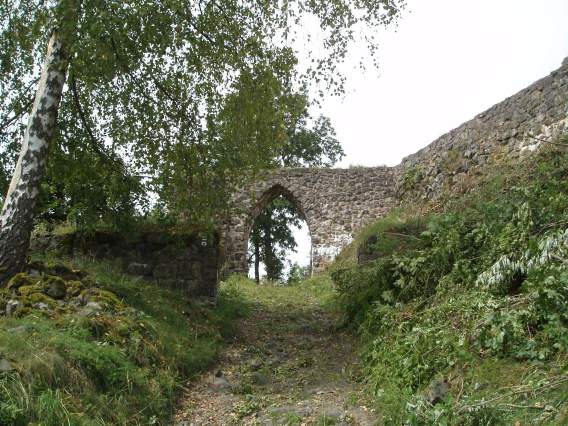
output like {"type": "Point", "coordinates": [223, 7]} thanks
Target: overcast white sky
{"type": "Point", "coordinates": [448, 61]}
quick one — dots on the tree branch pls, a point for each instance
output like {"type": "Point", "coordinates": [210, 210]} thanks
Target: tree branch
{"type": "Point", "coordinates": [8, 121]}
{"type": "Point", "coordinates": [94, 142]}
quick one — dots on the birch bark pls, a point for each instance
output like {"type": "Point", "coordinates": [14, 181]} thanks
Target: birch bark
{"type": "Point", "coordinates": [16, 217]}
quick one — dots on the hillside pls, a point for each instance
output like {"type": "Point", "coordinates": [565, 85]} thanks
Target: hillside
{"type": "Point", "coordinates": [81, 343]}
{"type": "Point", "coordinates": [447, 312]}
{"type": "Point", "coordinates": [462, 310]}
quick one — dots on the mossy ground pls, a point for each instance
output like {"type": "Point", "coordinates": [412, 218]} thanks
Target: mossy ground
{"type": "Point", "coordinates": [122, 365]}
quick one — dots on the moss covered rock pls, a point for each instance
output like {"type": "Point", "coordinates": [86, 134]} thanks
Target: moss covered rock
{"type": "Point", "coordinates": [38, 301]}
{"type": "Point", "coordinates": [74, 288]}
{"type": "Point", "coordinates": [65, 272]}
{"type": "Point", "coordinates": [19, 280]}
{"type": "Point", "coordinates": [54, 287]}
{"type": "Point", "coordinates": [102, 297]}
{"type": "Point", "coordinates": [27, 290]}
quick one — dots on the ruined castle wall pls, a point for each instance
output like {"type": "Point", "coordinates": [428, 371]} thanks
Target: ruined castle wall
{"type": "Point", "coordinates": [335, 203]}
{"type": "Point", "coordinates": [509, 130]}
{"type": "Point", "coordinates": [187, 262]}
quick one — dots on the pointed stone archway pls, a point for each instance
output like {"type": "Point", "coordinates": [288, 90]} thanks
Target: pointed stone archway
{"type": "Point", "coordinates": [335, 203]}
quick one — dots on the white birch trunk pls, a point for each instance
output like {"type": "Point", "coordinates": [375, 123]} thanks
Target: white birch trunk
{"type": "Point", "coordinates": [16, 218]}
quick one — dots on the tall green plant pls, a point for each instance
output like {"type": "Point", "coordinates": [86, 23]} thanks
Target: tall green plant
{"type": "Point", "coordinates": [487, 279]}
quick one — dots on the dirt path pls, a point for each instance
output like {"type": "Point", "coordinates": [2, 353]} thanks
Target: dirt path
{"type": "Point", "coordinates": [288, 365]}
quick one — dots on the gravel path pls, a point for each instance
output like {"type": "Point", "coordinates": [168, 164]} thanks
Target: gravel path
{"type": "Point", "coordinates": [287, 365]}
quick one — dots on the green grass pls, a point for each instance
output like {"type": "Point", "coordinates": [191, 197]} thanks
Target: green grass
{"type": "Point", "coordinates": [318, 289]}
{"type": "Point", "coordinates": [123, 366]}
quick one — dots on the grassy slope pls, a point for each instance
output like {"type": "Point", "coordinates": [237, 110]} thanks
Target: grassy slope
{"type": "Point", "coordinates": [122, 366]}
{"type": "Point", "coordinates": [474, 296]}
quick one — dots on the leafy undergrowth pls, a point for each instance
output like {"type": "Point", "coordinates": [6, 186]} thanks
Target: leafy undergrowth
{"type": "Point", "coordinates": [116, 358]}
{"type": "Point", "coordinates": [465, 318]}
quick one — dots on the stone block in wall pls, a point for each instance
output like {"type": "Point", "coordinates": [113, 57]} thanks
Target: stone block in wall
{"type": "Point", "coordinates": [165, 270]}
{"type": "Point", "coordinates": [143, 269]}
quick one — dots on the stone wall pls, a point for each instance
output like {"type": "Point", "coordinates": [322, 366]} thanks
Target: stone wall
{"type": "Point", "coordinates": [186, 262]}
{"type": "Point", "coordinates": [509, 130]}
{"type": "Point", "coordinates": [335, 203]}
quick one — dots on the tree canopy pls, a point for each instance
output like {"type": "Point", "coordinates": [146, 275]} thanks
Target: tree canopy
{"type": "Point", "coordinates": [173, 97]}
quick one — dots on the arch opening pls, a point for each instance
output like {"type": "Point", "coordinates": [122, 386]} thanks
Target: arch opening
{"type": "Point", "coordinates": [278, 238]}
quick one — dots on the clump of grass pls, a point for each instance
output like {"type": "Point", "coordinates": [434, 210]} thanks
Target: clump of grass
{"type": "Point", "coordinates": [397, 230]}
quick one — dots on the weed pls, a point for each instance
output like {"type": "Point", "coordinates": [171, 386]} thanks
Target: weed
{"type": "Point", "coordinates": [246, 407]}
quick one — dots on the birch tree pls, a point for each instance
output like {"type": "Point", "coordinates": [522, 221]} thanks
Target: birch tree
{"type": "Point", "coordinates": [143, 85]}
{"type": "Point", "coordinates": [17, 211]}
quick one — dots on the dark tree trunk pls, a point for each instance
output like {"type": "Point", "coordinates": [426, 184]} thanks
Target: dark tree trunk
{"type": "Point", "coordinates": [16, 218]}
{"type": "Point", "coordinates": [270, 259]}
{"type": "Point", "coordinates": [257, 262]}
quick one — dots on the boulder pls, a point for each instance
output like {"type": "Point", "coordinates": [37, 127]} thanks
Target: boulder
{"type": "Point", "coordinates": [437, 391]}
{"type": "Point", "coordinates": [41, 306]}
{"type": "Point", "coordinates": [54, 287]}
{"type": "Point", "coordinates": [90, 309]}
{"type": "Point", "coordinates": [219, 382]}
{"type": "Point", "coordinates": [12, 306]}
{"type": "Point", "coordinates": [19, 280]}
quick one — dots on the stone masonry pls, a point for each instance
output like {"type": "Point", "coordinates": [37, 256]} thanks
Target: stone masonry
{"type": "Point", "coordinates": [509, 130]}
{"type": "Point", "coordinates": [336, 203]}
{"type": "Point", "coordinates": [188, 262]}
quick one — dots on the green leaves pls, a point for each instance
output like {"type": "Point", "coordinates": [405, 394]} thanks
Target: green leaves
{"type": "Point", "coordinates": [487, 281]}
{"type": "Point", "coordinates": [271, 236]}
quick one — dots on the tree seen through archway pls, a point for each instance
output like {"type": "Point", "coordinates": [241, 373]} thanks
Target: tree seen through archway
{"type": "Point", "coordinates": [273, 239]}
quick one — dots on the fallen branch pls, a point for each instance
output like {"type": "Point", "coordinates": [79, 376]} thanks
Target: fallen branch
{"type": "Point", "coordinates": [397, 234]}
{"type": "Point", "coordinates": [536, 138]}
{"type": "Point", "coordinates": [535, 407]}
